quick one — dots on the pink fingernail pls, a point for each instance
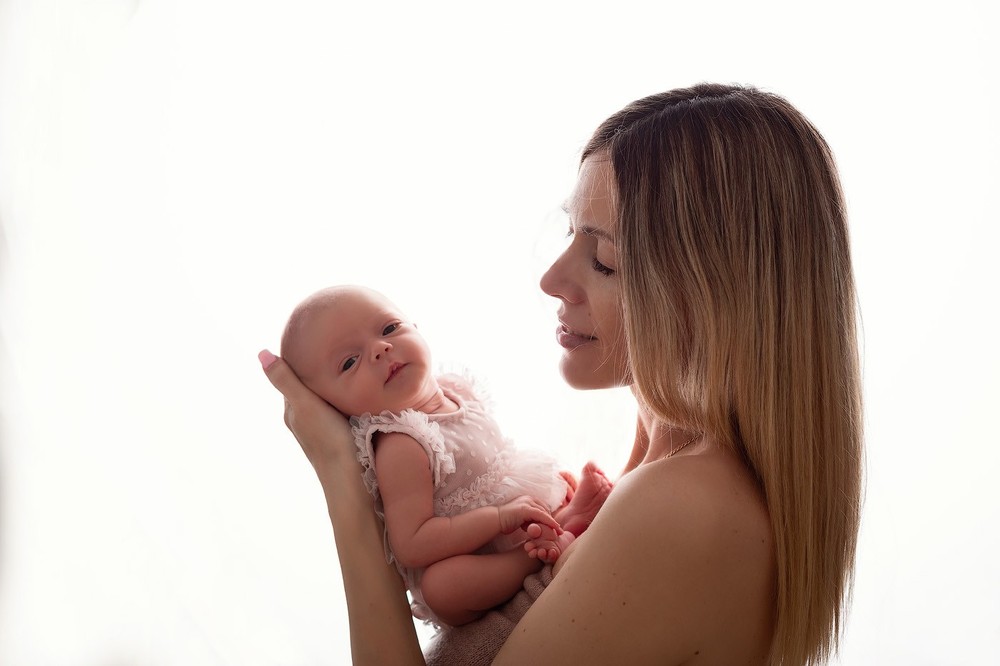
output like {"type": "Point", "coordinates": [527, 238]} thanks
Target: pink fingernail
{"type": "Point", "coordinates": [266, 358]}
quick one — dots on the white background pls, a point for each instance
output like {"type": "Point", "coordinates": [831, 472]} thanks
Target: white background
{"type": "Point", "coordinates": [175, 176]}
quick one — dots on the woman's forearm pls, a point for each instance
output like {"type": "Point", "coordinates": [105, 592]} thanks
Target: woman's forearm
{"type": "Point", "coordinates": [381, 626]}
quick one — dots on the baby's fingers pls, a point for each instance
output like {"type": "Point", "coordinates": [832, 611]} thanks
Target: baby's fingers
{"type": "Point", "coordinates": [543, 518]}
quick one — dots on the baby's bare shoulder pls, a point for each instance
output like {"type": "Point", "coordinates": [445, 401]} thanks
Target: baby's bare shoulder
{"type": "Point", "coordinates": [398, 450]}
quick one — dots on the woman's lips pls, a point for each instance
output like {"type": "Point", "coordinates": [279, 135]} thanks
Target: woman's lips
{"type": "Point", "coordinates": [571, 339]}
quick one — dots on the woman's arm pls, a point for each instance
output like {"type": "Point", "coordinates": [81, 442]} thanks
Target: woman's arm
{"type": "Point", "coordinates": [623, 594]}
{"type": "Point", "coordinates": [644, 582]}
{"type": "Point", "coordinates": [418, 537]}
{"type": "Point", "coordinates": [381, 626]}
{"type": "Point", "coordinates": [676, 568]}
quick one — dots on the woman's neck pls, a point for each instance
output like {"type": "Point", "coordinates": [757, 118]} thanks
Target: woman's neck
{"type": "Point", "coordinates": [657, 439]}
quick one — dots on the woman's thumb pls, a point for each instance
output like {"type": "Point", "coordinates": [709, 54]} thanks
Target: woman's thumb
{"type": "Point", "coordinates": [266, 359]}
{"type": "Point", "coordinates": [281, 375]}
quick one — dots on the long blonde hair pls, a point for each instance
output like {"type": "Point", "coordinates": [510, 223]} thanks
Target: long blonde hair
{"type": "Point", "coordinates": [740, 320]}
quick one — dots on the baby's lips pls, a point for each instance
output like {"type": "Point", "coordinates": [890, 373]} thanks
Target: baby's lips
{"type": "Point", "coordinates": [393, 369]}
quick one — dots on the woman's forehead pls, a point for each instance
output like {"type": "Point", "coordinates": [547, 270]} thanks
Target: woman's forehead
{"type": "Point", "coordinates": [592, 202]}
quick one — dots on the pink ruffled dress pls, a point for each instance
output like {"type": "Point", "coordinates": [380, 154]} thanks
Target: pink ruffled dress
{"type": "Point", "coordinates": [472, 465]}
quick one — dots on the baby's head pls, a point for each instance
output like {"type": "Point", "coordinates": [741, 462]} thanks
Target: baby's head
{"type": "Point", "coordinates": [357, 351]}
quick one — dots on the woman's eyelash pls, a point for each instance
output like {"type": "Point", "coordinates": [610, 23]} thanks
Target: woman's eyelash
{"type": "Point", "coordinates": [602, 269]}
{"type": "Point", "coordinates": [598, 266]}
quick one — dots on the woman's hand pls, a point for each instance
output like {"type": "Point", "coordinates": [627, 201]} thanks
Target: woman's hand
{"type": "Point", "coordinates": [322, 432]}
{"type": "Point", "coordinates": [381, 626]}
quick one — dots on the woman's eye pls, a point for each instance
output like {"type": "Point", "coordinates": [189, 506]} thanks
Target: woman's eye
{"type": "Point", "coordinates": [390, 328]}
{"type": "Point", "coordinates": [602, 269]}
{"type": "Point", "coordinates": [348, 364]}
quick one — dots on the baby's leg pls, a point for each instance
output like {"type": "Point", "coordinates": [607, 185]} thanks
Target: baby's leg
{"type": "Point", "coordinates": [462, 588]}
{"type": "Point", "coordinates": [588, 499]}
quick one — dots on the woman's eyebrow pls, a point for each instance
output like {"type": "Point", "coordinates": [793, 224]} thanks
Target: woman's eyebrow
{"type": "Point", "coordinates": [586, 229]}
{"type": "Point", "coordinates": [595, 231]}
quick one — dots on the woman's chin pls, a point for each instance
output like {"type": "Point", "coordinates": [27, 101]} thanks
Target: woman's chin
{"type": "Point", "coordinates": [587, 378]}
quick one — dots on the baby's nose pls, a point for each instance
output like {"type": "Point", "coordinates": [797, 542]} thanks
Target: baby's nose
{"type": "Point", "coordinates": [380, 349]}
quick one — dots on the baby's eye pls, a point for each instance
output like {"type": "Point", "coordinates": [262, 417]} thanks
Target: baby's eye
{"type": "Point", "coordinates": [348, 364]}
{"type": "Point", "coordinates": [390, 328]}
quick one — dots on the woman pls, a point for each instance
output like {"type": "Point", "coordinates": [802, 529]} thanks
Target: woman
{"type": "Point", "coordinates": [709, 269]}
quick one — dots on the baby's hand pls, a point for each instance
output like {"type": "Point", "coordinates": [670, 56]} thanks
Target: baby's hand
{"type": "Point", "coordinates": [525, 509]}
{"type": "Point", "coordinates": [546, 544]}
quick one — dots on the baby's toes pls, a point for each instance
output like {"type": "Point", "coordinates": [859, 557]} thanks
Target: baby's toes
{"type": "Point", "coordinates": [535, 551]}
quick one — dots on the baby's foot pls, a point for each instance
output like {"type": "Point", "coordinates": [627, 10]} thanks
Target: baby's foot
{"type": "Point", "coordinates": [544, 544]}
{"type": "Point", "coordinates": [571, 484]}
{"type": "Point", "coordinates": [588, 499]}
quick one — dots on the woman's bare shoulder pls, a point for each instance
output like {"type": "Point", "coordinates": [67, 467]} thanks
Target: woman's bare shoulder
{"type": "Point", "coordinates": [702, 511]}
{"type": "Point", "coordinates": [711, 496]}
{"type": "Point", "coordinates": [676, 568]}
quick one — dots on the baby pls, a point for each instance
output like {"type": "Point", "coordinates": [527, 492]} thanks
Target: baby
{"type": "Point", "coordinates": [456, 498]}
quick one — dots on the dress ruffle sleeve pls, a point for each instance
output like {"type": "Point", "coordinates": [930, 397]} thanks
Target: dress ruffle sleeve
{"type": "Point", "coordinates": [440, 455]}
{"type": "Point", "coordinates": [467, 387]}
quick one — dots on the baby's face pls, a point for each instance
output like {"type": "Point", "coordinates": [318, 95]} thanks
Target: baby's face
{"type": "Point", "coordinates": [359, 354]}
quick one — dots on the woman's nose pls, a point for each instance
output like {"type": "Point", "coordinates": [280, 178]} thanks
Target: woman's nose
{"type": "Point", "coordinates": [380, 349]}
{"type": "Point", "coordinates": [557, 281]}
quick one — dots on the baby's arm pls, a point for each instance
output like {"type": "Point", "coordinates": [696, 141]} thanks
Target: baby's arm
{"type": "Point", "coordinates": [418, 537]}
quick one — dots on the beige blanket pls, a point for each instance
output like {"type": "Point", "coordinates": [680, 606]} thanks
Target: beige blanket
{"type": "Point", "coordinates": [477, 643]}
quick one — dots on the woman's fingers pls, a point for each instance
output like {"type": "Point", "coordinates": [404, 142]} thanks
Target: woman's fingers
{"type": "Point", "coordinates": [320, 429]}
{"type": "Point", "coordinates": [284, 379]}
{"type": "Point", "coordinates": [300, 402]}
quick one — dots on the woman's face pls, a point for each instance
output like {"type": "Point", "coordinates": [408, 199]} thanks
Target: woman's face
{"type": "Point", "coordinates": [591, 328]}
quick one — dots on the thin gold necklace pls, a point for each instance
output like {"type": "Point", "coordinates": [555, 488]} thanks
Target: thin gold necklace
{"type": "Point", "coordinates": [680, 446]}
